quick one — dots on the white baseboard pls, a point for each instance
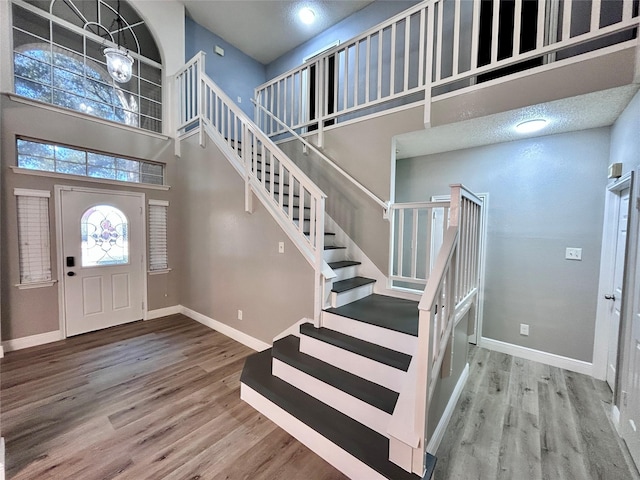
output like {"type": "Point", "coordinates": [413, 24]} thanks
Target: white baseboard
{"type": "Point", "coordinates": [441, 428]}
{"type": "Point", "coordinates": [163, 312]}
{"type": "Point", "coordinates": [578, 366]}
{"type": "Point", "coordinates": [615, 419]}
{"type": "Point", "coordinates": [293, 329]}
{"type": "Point", "coordinates": [230, 332]}
{"type": "Point", "coordinates": [336, 456]}
{"type": "Point", "coordinates": [2, 462]}
{"type": "Point", "coordinates": [32, 340]}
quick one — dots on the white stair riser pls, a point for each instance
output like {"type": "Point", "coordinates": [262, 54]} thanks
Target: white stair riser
{"type": "Point", "coordinates": [355, 408]}
{"type": "Point", "coordinates": [336, 456]}
{"type": "Point", "coordinates": [335, 255]}
{"type": "Point", "coordinates": [400, 342]}
{"type": "Point", "coordinates": [364, 367]}
{"type": "Point", "coordinates": [342, 298]}
{"type": "Point", "coordinates": [346, 272]}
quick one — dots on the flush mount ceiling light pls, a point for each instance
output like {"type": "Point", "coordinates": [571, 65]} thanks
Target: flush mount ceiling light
{"type": "Point", "coordinates": [531, 125]}
{"type": "Point", "coordinates": [119, 62]}
{"type": "Point", "coordinates": [307, 16]}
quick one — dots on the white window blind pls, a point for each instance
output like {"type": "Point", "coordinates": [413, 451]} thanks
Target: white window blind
{"type": "Point", "coordinates": [158, 258]}
{"type": "Point", "coordinates": [33, 235]}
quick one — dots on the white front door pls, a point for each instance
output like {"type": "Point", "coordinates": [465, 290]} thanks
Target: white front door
{"type": "Point", "coordinates": [615, 294]}
{"type": "Point", "coordinates": [103, 258]}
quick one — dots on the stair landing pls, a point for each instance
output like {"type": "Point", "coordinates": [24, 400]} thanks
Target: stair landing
{"type": "Point", "coordinates": [391, 313]}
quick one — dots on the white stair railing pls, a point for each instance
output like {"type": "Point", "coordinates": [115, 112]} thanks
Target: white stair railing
{"type": "Point", "coordinates": [417, 233]}
{"type": "Point", "coordinates": [437, 46]}
{"type": "Point", "coordinates": [281, 186]}
{"type": "Point", "coordinates": [450, 292]}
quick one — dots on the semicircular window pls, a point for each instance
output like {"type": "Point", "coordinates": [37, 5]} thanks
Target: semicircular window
{"type": "Point", "coordinates": [64, 65]}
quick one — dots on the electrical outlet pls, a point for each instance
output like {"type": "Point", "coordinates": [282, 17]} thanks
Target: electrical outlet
{"type": "Point", "coordinates": [239, 314]}
{"type": "Point", "coordinates": [573, 253]}
{"type": "Point", "coordinates": [524, 329]}
{"type": "Point", "coordinates": [239, 99]}
{"type": "Point", "coordinates": [280, 247]}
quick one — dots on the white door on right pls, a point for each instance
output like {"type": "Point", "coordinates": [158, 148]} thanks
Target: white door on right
{"type": "Point", "coordinates": [616, 290]}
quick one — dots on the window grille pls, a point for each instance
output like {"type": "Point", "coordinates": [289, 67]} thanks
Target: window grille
{"type": "Point", "coordinates": [58, 59]}
{"type": "Point", "coordinates": [71, 161]}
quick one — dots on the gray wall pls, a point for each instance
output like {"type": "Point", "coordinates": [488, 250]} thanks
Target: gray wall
{"type": "Point", "coordinates": [546, 194]}
{"type": "Point", "coordinates": [363, 150]}
{"type": "Point", "coordinates": [236, 73]}
{"type": "Point", "coordinates": [230, 258]}
{"type": "Point", "coordinates": [30, 312]}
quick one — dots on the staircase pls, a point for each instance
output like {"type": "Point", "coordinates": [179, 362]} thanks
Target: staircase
{"type": "Point", "coordinates": [341, 381]}
{"type": "Point", "coordinates": [354, 384]}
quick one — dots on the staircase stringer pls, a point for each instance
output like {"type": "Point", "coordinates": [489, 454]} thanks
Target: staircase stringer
{"type": "Point", "coordinates": [205, 109]}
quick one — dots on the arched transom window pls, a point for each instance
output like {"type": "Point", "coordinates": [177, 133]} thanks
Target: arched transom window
{"type": "Point", "coordinates": [58, 59]}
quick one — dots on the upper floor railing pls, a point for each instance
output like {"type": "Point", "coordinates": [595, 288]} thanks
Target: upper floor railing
{"type": "Point", "coordinates": [294, 201]}
{"type": "Point", "coordinates": [436, 47]}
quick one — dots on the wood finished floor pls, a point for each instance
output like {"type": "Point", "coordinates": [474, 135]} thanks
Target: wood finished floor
{"type": "Point", "coordinates": [160, 400]}
{"type": "Point", "coordinates": [518, 419]}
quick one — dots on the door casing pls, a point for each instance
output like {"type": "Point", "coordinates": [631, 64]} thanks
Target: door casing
{"type": "Point", "coordinates": [60, 255]}
{"type": "Point", "coordinates": [607, 257]}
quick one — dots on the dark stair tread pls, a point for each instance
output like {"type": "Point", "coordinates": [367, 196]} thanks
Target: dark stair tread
{"type": "Point", "coordinates": [387, 312]}
{"type": "Point", "coordinates": [360, 347]}
{"type": "Point", "coordinates": [287, 350]}
{"type": "Point", "coordinates": [343, 264]}
{"type": "Point", "coordinates": [334, 247]}
{"type": "Point", "coordinates": [350, 284]}
{"type": "Point", "coordinates": [326, 233]}
{"type": "Point", "coordinates": [366, 445]}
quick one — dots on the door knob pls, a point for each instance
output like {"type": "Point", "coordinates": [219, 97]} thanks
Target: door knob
{"type": "Point", "coordinates": [610, 297]}
{"type": "Point", "coordinates": [71, 274]}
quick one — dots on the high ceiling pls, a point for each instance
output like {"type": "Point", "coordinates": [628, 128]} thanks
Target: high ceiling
{"type": "Point", "coordinates": [265, 29]}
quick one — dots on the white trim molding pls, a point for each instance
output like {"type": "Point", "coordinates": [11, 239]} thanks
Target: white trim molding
{"type": "Point", "coordinates": [441, 428]}
{"type": "Point", "coordinates": [237, 335]}
{"type": "Point", "coordinates": [163, 312]}
{"type": "Point", "coordinates": [32, 340]}
{"type": "Point", "coordinates": [578, 366]}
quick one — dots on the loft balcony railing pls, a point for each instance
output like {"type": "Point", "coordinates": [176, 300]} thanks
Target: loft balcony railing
{"type": "Point", "coordinates": [436, 47]}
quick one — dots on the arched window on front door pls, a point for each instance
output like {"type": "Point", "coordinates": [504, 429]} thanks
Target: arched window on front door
{"type": "Point", "coordinates": [58, 59]}
{"type": "Point", "coordinates": [105, 236]}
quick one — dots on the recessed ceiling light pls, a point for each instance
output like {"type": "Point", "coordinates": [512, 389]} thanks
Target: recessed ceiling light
{"type": "Point", "coordinates": [307, 16]}
{"type": "Point", "coordinates": [531, 125]}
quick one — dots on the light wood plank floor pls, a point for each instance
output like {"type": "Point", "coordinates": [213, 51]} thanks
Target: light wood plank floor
{"type": "Point", "coordinates": [160, 400]}
{"type": "Point", "coordinates": [518, 419]}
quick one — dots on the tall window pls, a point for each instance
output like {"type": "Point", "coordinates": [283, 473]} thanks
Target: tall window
{"type": "Point", "coordinates": [33, 237]}
{"type": "Point", "coordinates": [58, 59]}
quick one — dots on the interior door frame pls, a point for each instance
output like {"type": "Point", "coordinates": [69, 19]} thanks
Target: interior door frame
{"type": "Point", "coordinates": [58, 189]}
{"type": "Point", "coordinates": [631, 274]}
{"type": "Point", "coordinates": [607, 257]}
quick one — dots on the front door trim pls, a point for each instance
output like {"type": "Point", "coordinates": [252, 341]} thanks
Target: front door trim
{"type": "Point", "coordinates": [607, 257]}
{"type": "Point", "coordinates": [58, 189]}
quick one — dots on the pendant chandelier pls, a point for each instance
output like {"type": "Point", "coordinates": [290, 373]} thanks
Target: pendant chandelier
{"type": "Point", "coordinates": [119, 62]}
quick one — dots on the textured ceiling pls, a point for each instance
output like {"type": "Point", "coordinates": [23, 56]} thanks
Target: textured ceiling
{"type": "Point", "coordinates": [599, 109]}
{"type": "Point", "coordinates": [265, 29]}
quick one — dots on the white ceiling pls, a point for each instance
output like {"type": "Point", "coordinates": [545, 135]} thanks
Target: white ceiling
{"type": "Point", "coordinates": [265, 29]}
{"type": "Point", "coordinates": [593, 110]}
